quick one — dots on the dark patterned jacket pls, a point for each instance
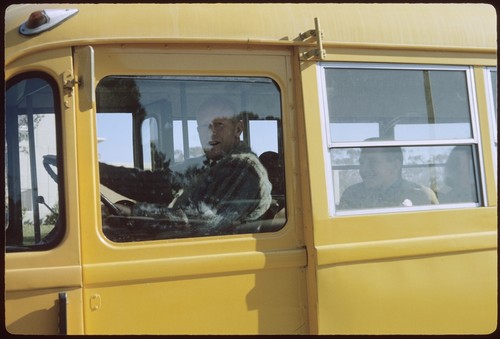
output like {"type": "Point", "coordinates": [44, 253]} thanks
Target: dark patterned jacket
{"type": "Point", "coordinates": [400, 193]}
{"type": "Point", "coordinates": [224, 193]}
{"type": "Point", "coordinates": [216, 196]}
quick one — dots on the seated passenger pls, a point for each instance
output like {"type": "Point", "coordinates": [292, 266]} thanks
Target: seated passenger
{"type": "Point", "coordinates": [230, 187]}
{"type": "Point", "coordinates": [380, 169]}
{"type": "Point", "coordinates": [273, 165]}
{"type": "Point", "coordinates": [459, 177]}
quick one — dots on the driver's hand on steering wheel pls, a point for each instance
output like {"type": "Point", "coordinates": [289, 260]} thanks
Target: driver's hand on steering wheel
{"type": "Point", "coordinates": [124, 209]}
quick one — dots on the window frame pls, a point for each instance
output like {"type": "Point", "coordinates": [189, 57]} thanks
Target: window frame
{"type": "Point", "coordinates": [492, 114]}
{"type": "Point", "coordinates": [474, 141]}
{"type": "Point", "coordinates": [61, 224]}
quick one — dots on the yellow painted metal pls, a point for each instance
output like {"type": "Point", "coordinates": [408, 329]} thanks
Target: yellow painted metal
{"type": "Point", "coordinates": [400, 26]}
{"type": "Point", "coordinates": [249, 302]}
{"type": "Point", "coordinates": [425, 272]}
{"type": "Point", "coordinates": [405, 247]}
{"type": "Point", "coordinates": [35, 311]}
{"type": "Point", "coordinates": [432, 56]}
{"type": "Point", "coordinates": [34, 279]}
{"type": "Point", "coordinates": [254, 282]}
{"type": "Point", "coordinates": [438, 294]}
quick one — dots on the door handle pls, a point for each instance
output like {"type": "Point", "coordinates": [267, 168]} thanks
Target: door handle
{"type": "Point", "coordinates": [63, 313]}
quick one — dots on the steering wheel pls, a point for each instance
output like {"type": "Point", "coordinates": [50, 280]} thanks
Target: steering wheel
{"type": "Point", "coordinates": [50, 161]}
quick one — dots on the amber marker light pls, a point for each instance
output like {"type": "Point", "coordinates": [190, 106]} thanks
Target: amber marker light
{"type": "Point", "coordinates": [43, 20]}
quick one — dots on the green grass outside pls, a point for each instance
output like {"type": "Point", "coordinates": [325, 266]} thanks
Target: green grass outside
{"type": "Point", "coordinates": [29, 233]}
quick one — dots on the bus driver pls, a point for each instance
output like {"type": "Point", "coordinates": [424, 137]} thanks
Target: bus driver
{"type": "Point", "coordinates": [230, 187]}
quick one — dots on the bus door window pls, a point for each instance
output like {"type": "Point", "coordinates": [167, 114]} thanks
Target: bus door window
{"type": "Point", "coordinates": [397, 134]}
{"type": "Point", "coordinates": [34, 205]}
{"type": "Point", "coordinates": [189, 156]}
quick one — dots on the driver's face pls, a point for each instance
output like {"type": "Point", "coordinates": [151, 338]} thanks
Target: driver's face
{"type": "Point", "coordinates": [218, 132]}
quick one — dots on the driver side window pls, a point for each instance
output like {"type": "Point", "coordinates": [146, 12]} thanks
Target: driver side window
{"type": "Point", "coordinates": [34, 206]}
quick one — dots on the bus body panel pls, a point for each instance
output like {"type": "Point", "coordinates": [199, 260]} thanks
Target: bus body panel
{"type": "Point", "coordinates": [262, 301]}
{"type": "Point", "coordinates": [202, 286]}
{"type": "Point", "coordinates": [33, 280]}
{"type": "Point", "coordinates": [362, 261]}
{"type": "Point", "coordinates": [432, 297]}
{"type": "Point", "coordinates": [428, 271]}
{"type": "Point", "coordinates": [472, 27]}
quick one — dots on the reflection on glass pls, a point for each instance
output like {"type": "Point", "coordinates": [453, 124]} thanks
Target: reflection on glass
{"type": "Point", "coordinates": [33, 205]}
{"type": "Point", "coordinates": [376, 102]}
{"type": "Point", "coordinates": [382, 183]}
{"type": "Point", "coordinates": [203, 178]}
{"type": "Point", "coordinates": [384, 177]}
{"type": "Point", "coordinates": [493, 77]}
{"type": "Point", "coordinates": [459, 177]}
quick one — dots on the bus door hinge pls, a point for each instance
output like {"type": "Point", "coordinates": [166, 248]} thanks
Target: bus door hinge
{"type": "Point", "coordinates": [69, 82]}
{"type": "Point", "coordinates": [314, 34]}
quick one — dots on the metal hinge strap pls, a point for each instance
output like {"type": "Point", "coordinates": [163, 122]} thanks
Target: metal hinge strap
{"type": "Point", "coordinates": [316, 34]}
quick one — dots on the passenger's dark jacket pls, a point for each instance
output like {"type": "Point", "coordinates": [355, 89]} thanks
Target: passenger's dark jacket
{"type": "Point", "coordinates": [400, 193]}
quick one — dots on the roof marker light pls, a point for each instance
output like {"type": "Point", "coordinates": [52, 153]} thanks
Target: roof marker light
{"type": "Point", "coordinates": [40, 21]}
{"type": "Point", "coordinates": [37, 19]}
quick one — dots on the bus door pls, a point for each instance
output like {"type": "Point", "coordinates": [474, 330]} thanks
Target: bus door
{"type": "Point", "coordinates": [43, 293]}
{"type": "Point", "coordinates": [147, 267]}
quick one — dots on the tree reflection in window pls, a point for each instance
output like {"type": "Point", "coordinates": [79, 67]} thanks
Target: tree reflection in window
{"type": "Point", "coordinates": [151, 204]}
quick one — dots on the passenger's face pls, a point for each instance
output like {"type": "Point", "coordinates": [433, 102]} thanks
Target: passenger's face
{"type": "Point", "coordinates": [219, 134]}
{"type": "Point", "coordinates": [378, 170]}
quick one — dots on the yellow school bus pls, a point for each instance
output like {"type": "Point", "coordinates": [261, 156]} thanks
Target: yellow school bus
{"type": "Point", "coordinates": [319, 88]}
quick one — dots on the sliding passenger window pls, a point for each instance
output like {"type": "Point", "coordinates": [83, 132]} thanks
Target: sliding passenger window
{"type": "Point", "coordinates": [34, 204]}
{"type": "Point", "coordinates": [189, 156]}
{"type": "Point", "coordinates": [401, 137]}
